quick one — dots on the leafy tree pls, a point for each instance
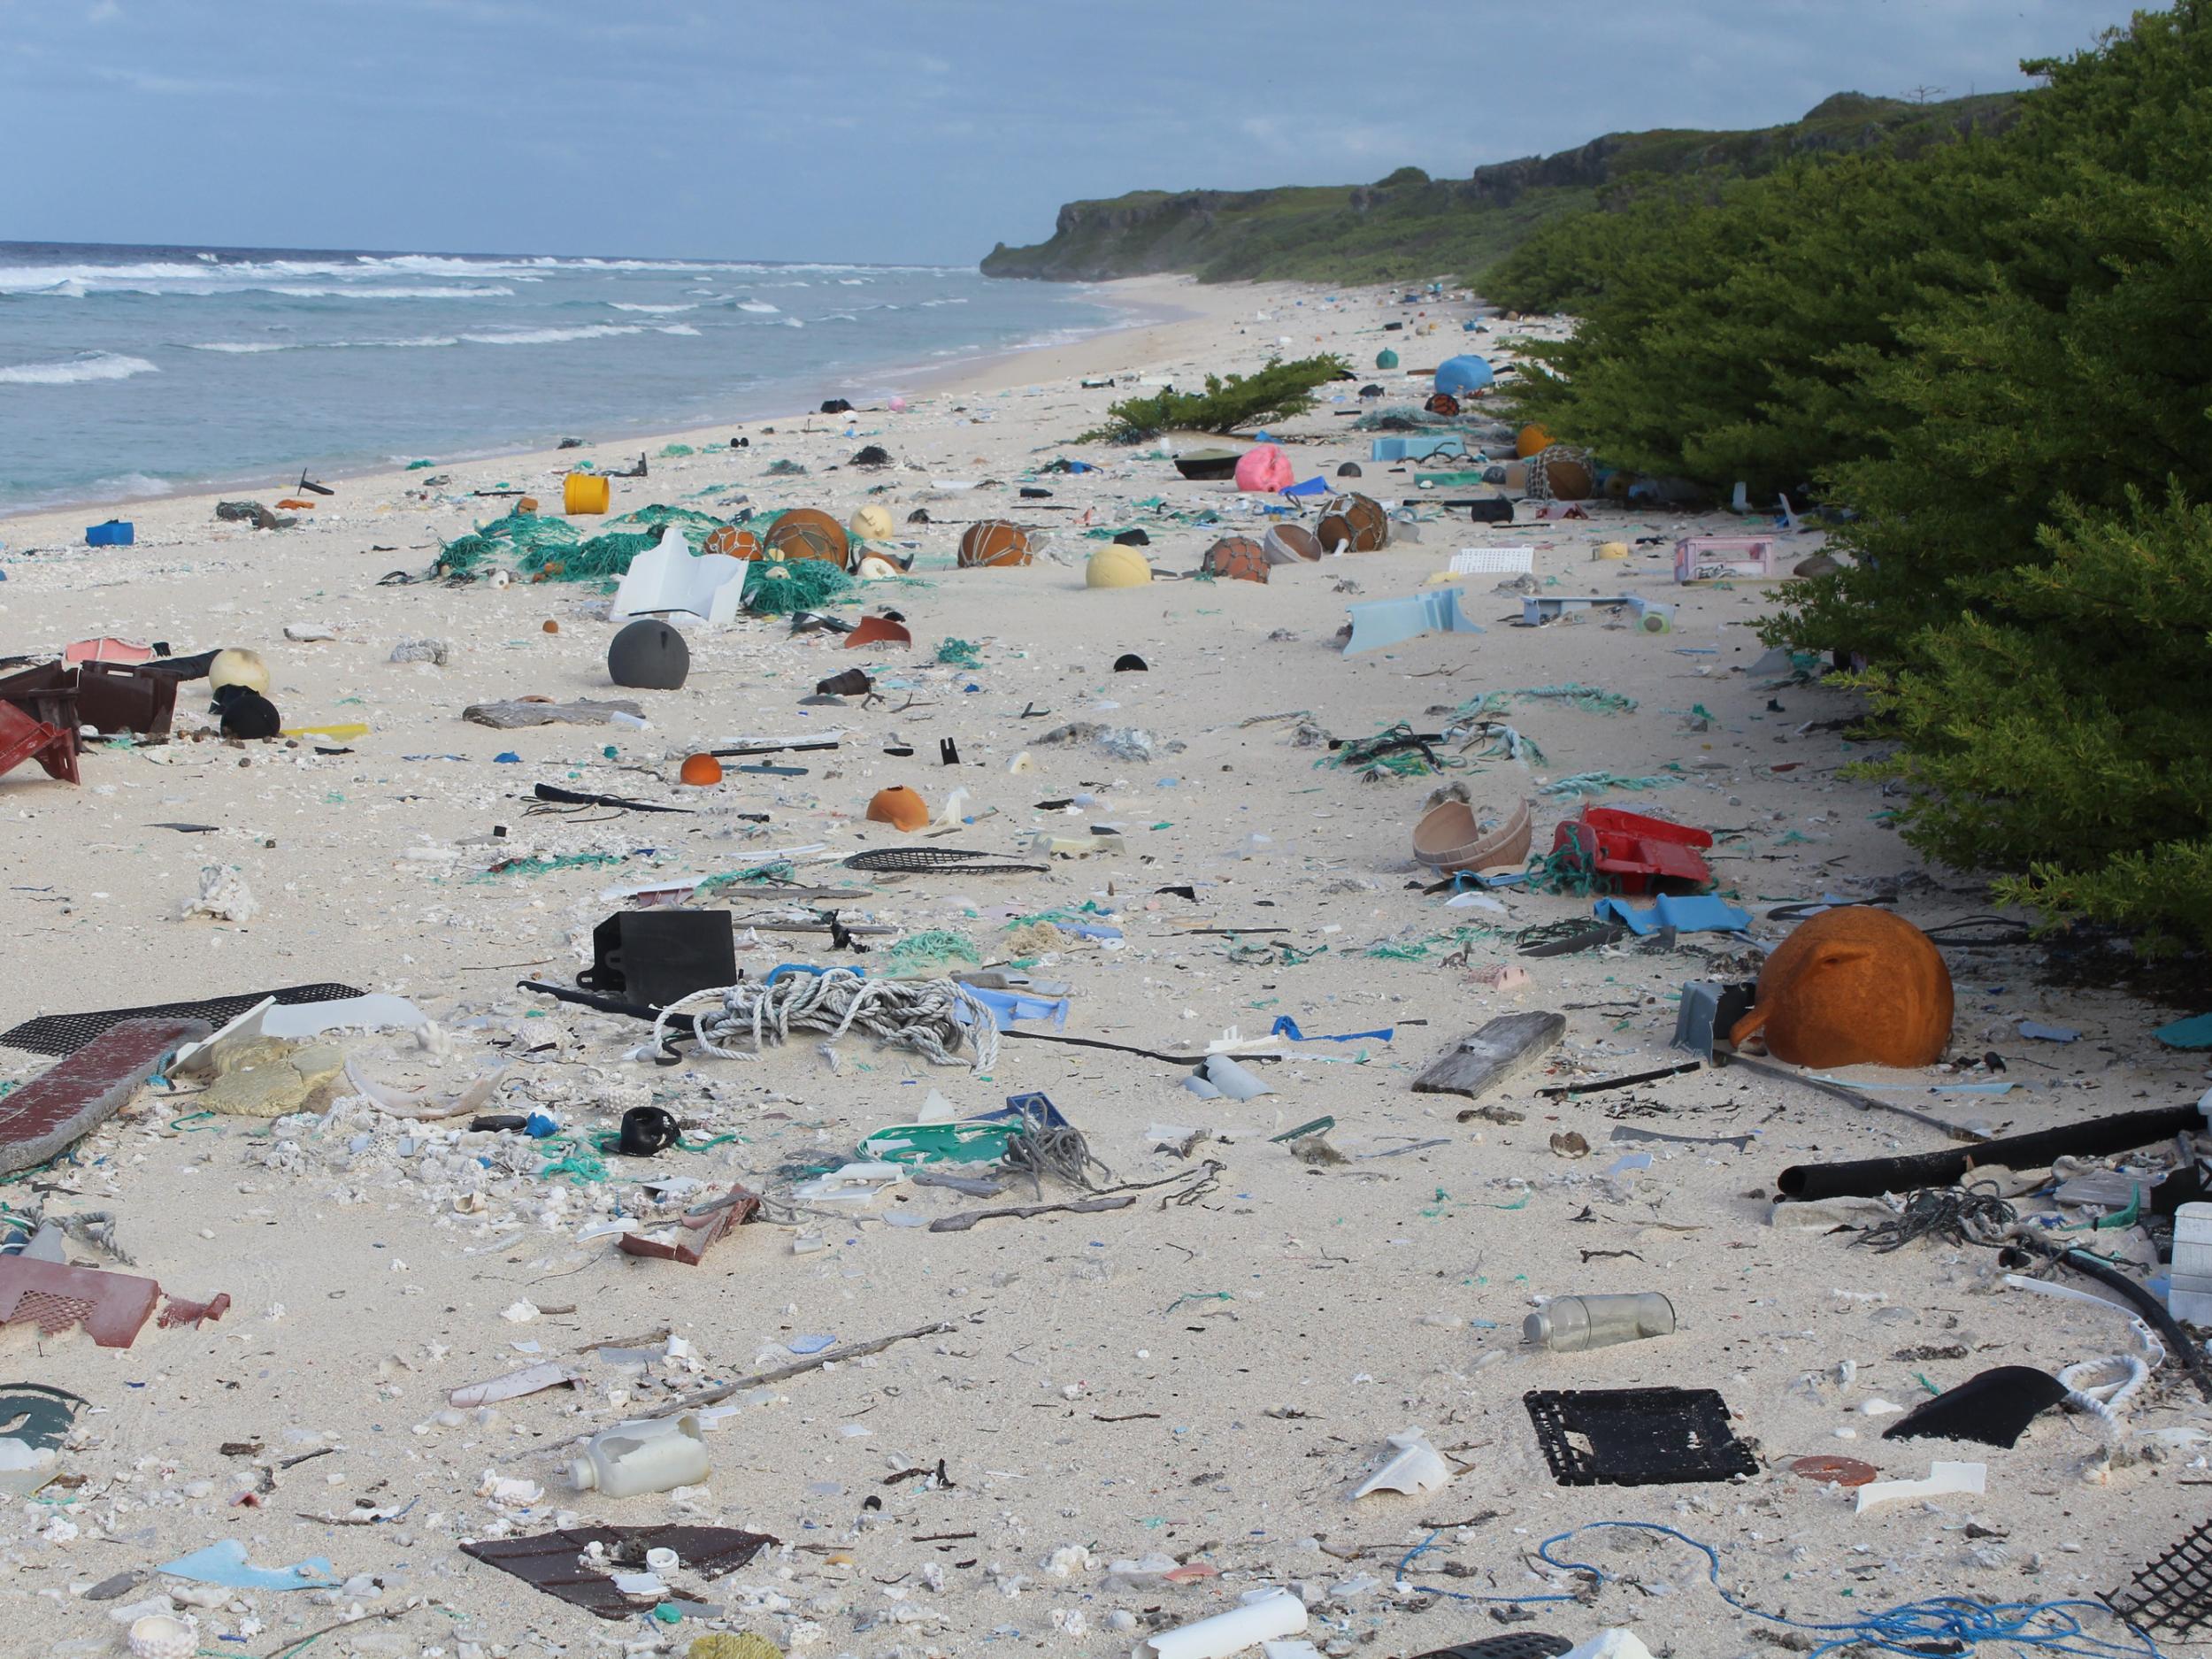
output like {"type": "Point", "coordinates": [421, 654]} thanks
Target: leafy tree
{"type": "Point", "coordinates": [1278, 391]}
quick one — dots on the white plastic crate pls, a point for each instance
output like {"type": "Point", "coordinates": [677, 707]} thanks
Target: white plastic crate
{"type": "Point", "coordinates": [1493, 561]}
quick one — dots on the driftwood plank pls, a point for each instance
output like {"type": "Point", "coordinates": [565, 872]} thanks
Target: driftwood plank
{"type": "Point", "coordinates": [1501, 1051]}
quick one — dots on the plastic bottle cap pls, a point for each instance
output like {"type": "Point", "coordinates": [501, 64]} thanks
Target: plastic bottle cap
{"type": "Point", "coordinates": [582, 1473]}
{"type": "Point", "coordinates": [1536, 1329]}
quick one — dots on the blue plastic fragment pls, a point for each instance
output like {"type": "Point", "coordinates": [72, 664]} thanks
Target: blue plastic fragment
{"type": "Point", "coordinates": [1698, 913]}
{"type": "Point", "coordinates": [2193, 1033]}
{"type": "Point", "coordinates": [508, 758]}
{"type": "Point", "coordinates": [225, 1564]}
{"type": "Point", "coordinates": [1286, 1026]}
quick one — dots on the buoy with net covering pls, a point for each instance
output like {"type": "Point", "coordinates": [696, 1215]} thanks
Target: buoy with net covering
{"type": "Point", "coordinates": [1355, 522]}
{"type": "Point", "coordinates": [1442, 404]}
{"type": "Point", "coordinates": [993, 541]}
{"type": "Point", "coordinates": [1567, 475]}
{"type": "Point", "coordinates": [1286, 543]}
{"type": "Point", "coordinates": [807, 532]}
{"type": "Point", "coordinates": [1236, 556]}
{"type": "Point", "coordinates": [732, 543]}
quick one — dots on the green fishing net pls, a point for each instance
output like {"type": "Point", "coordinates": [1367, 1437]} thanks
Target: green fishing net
{"type": "Point", "coordinates": [1589, 699]}
{"type": "Point", "coordinates": [959, 654]}
{"type": "Point", "coordinates": [932, 948]}
{"type": "Point", "coordinates": [1599, 782]}
{"type": "Point", "coordinates": [552, 548]}
{"type": "Point", "coordinates": [777, 590]}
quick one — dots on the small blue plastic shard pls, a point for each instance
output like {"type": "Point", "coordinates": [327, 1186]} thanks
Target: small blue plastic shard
{"type": "Point", "coordinates": [225, 1564]}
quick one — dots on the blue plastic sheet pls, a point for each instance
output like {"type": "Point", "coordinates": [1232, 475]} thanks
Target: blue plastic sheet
{"type": "Point", "coordinates": [1700, 913]}
{"type": "Point", "coordinates": [1008, 1006]}
{"type": "Point", "coordinates": [225, 1564]}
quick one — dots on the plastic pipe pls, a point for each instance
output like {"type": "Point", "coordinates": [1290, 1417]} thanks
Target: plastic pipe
{"type": "Point", "coordinates": [1263, 1619]}
{"type": "Point", "coordinates": [1872, 1177]}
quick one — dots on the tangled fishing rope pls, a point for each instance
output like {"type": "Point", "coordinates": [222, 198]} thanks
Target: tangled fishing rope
{"type": "Point", "coordinates": [1964, 1215]}
{"type": "Point", "coordinates": [1910, 1627]}
{"type": "Point", "coordinates": [930, 1016]}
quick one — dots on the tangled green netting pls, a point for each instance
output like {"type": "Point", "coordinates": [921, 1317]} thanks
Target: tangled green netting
{"type": "Point", "coordinates": [777, 590]}
{"type": "Point", "coordinates": [554, 548]}
{"type": "Point", "coordinates": [1589, 699]}
{"type": "Point", "coordinates": [929, 948]}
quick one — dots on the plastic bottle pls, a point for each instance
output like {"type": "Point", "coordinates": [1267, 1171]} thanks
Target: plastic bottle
{"type": "Point", "coordinates": [632, 1458]}
{"type": "Point", "coordinates": [1568, 1324]}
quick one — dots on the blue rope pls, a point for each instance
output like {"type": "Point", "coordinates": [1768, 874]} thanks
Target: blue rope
{"type": "Point", "coordinates": [2050, 1626]}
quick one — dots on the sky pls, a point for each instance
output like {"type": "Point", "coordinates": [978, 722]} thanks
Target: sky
{"type": "Point", "coordinates": [879, 130]}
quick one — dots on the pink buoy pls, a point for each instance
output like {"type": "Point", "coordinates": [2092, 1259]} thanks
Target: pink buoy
{"type": "Point", "coordinates": [1264, 469]}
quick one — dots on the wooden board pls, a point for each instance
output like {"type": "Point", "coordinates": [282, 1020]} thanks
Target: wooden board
{"type": "Point", "coordinates": [1501, 1051]}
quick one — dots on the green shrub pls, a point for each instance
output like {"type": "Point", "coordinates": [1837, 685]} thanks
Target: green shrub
{"type": "Point", "coordinates": [1276, 392]}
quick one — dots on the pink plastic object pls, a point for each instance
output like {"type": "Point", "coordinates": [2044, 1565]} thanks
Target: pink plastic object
{"type": "Point", "coordinates": [1705, 558]}
{"type": "Point", "coordinates": [1636, 854]}
{"type": "Point", "coordinates": [105, 650]}
{"type": "Point", "coordinates": [1265, 470]}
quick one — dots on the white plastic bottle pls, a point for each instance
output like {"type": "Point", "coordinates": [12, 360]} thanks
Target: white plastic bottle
{"type": "Point", "coordinates": [651, 1456]}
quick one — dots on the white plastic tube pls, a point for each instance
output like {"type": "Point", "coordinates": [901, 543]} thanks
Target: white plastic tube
{"type": "Point", "coordinates": [1277, 1613]}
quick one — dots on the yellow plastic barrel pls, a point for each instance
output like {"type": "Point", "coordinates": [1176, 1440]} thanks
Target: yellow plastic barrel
{"type": "Point", "coordinates": [585, 491]}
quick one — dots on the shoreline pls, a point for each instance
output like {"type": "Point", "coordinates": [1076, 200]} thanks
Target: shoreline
{"type": "Point", "coordinates": [1146, 298]}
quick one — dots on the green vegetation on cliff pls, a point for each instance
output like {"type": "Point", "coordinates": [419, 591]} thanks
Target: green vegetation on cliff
{"type": "Point", "coordinates": [1409, 225]}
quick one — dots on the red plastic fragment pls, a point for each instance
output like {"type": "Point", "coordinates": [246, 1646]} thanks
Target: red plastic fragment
{"type": "Point", "coordinates": [111, 1307]}
{"type": "Point", "coordinates": [177, 1311]}
{"type": "Point", "coordinates": [739, 1205]}
{"type": "Point", "coordinates": [22, 739]}
{"type": "Point", "coordinates": [74, 1096]}
{"type": "Point", "coordinates": [1635, 853]}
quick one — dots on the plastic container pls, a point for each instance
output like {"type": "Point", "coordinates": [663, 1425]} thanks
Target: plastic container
{"type": "Point", "coordinates": [1568, 1324]}
{"type": "Point", "coordinates": [114, 532]}
{"type": "Point", "coordinates": [586, 492]}
{"type": "Point", "coordinates": [2189, 1297]}
{"type": "Point", "coordinates": [633, 1458]}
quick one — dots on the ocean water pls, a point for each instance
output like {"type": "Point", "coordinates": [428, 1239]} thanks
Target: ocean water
{"type": "Point", "coordinates": [129, 372]}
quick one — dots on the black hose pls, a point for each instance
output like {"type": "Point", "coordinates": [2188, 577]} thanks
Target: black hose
{"type": "Point", "coordinates": [1872, 1177]}
{"type": "Point", "coordinates": [2138, 1297]}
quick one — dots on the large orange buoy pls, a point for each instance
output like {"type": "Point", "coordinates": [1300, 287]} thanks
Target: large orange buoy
{"type": "Point", "coordinates": [1853, 986]}
{"type": "Point", "coordinates": [731, 543]}
{"type": "Point", "coordinates": [1353, 521]}
{"type": "Point", "coordinates": [807, 532]}
{"type": "Point", "coordinates": [1534, 441]}
{"type": "Point", "coordinates": [993, 541]}
{"type": "Point", "coordinates": [700, 771]}
{"type": "Point", "coordinates": [1238, 557]}
{"type": "Point", "coordinates": [899, 807]}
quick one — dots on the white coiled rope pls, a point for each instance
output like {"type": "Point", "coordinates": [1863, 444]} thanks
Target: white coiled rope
{"type": "Point", "coordinates": [930, 1016]}
{"type": "Point", "coordinates": [2122, 1375]}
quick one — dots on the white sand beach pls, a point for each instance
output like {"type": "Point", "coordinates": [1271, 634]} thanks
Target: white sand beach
{"type": "Point", "coordinates": [1202, 1376]}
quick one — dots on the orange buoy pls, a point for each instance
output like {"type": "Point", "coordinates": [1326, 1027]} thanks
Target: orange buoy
{"type": "Point", "coordinates": [700, 771]}
{"type": "Point", "coordinates": [1238, 557]}
{"type": "Point", "coordinates": [731, 543]}
{"type": "Point", "coordinates": [552, 626]}
{"type": "Point", "coordinates": [993, 541]}
{"type": "Point", "coordinates": [1534, 441]}
{"type": "Point", "coordinates": [899, 807]}
{"type": "Point", "coordinates": [807, 532]}
{"type": "Point", "coordinates": [1354, 521]}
